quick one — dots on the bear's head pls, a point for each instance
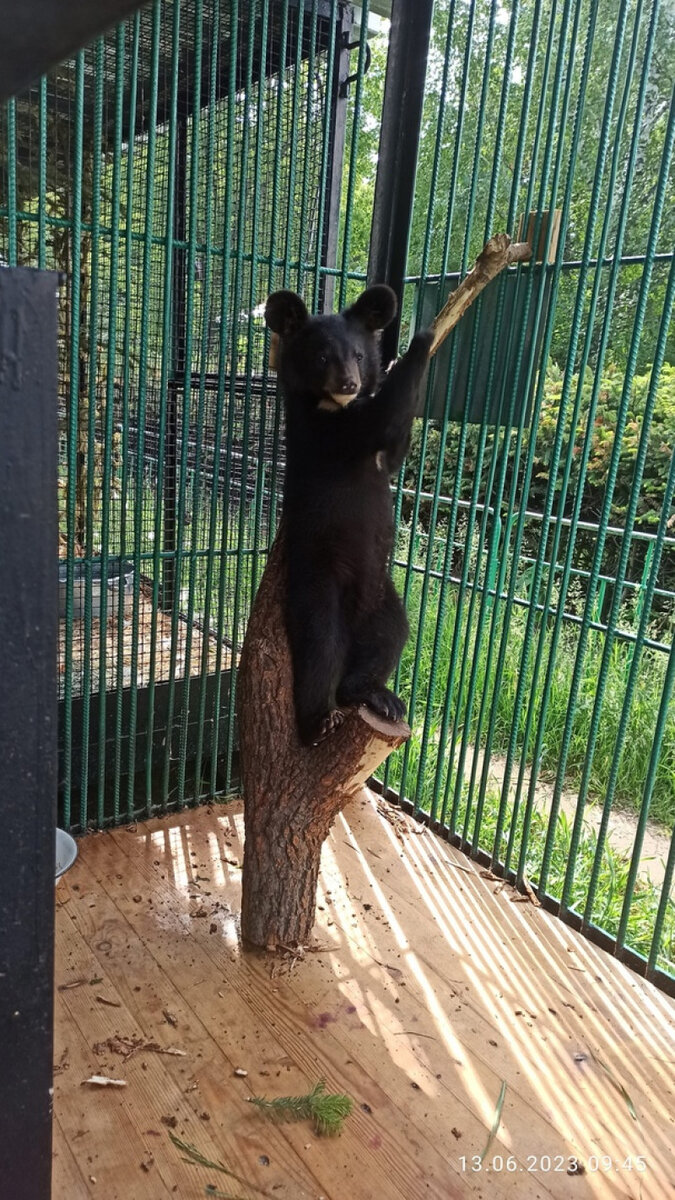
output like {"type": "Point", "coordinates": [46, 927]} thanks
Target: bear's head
{"type": "Point", "coordinates": [330, 360]}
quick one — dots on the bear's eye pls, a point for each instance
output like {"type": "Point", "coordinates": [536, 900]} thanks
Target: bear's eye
{"type": "Point", "coordinates": [359, 356]}
{"type": "Point", "coordinates": [323, 359]}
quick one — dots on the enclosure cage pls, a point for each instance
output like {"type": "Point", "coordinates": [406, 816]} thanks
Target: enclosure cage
{"type": "Point", "coordinates": [204, 154]}
{"type": "Point", "coordinates": [175, 172]}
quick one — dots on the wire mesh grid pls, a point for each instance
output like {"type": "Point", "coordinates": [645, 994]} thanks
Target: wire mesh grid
{"type": "Point", "coordinates": [174, 172]}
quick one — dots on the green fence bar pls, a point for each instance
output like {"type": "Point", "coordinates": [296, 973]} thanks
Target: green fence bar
{"type": "Point", "coordinates": [555, 456]}
{"type": "Point", "coordinates": [196, 499]}
{"type": "Point", "coordinates": [109, 412]}
{"type": "Point", "coordinates": [631, 513]}
{"type": "Point", "coordinates": [129, 199]}
{"type": "Point", "coordinates": [73, 333]}
{"type": "Point", "coordinates": [149, 216]}
{"type": "Point", "coordinates": [151, 798]}
{"type": "Point", "coordinates": [88, 387]}
{"type": "Point", "coordinates": [223, 351]}
{"type": "Point", "coordinates": [239, 524]}
{"type": "Point", "coordinates": [192, 198]}
{"type": "Point", "coordinates": [631, 684]}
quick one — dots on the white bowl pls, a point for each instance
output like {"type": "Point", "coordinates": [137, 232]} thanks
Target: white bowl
{"type": "Point", "coordinates": [66, 852]}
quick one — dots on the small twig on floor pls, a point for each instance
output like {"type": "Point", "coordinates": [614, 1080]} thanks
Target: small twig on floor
{"type": "Point", "coordinates": [533, 897]}
{"type": "Point", "coordinates": [414, 1033]}
{"type": "Point", "coordinates": [210, 1190]}
{"type": "Point", "coordinates": [297, 952]}
{"type": "Point", "coordinates": [398, 822]}
{"type": "Point", "coordinates": [127, 1046]}
{"type": "Point", "coordinates": [104, 1081]}
{"type": "Point", "coordinates": [458, 866]}
{"type": "Point", "coordinates": [195, 1156]}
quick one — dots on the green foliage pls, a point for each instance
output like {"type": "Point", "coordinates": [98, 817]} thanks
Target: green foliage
{"type": "Point", "coordinates": [660, 449]}
{"type": "Point", "coordinates": [191, 1154]}
{"type": "Point", "coordinates": [328, 1110]}
{"type": "Point", "coordinates": [453, 202]}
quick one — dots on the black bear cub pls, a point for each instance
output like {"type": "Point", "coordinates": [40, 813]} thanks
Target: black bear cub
{"type": "Point", "coordinates": [347, 431]}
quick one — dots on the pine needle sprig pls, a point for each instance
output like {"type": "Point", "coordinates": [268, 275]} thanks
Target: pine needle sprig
{"type": "Point", "coordinates": [328, 1110]}
{"type": "Point", "coordinates": [192, 1155]}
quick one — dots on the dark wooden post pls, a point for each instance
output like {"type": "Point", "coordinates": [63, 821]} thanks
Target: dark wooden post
{"type": "Point", "coordinates": [28, 713]}
{"type": "Point", "coordinates": [399, 143]}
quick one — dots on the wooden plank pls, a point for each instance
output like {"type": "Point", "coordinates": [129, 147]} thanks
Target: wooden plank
{"type": "Point", "coordinates": [67, 1179]}
{"type": "Point", "coordinates": [256, 1025]}
{"type": "Point", "coordinates": [103, 1128]}
{"type": "Point", "coordinates": [565, 1004]}
{"type": "Point", "coordinates": [587, 988]}
{"type": "Point", "coordinates": [465, 1070]}
{"type": "Point", "coordinates": [166, 1089]}
{"type": "Point", "coordinates": [404, 994]}
{"type": "Point", "coordinates": [400, 1092]}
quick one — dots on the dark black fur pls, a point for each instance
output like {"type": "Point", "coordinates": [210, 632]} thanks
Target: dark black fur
{"type": "Point", "coordinates": [346, 624]}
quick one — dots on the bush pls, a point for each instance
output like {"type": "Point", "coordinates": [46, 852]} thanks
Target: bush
{"type": "Point", "coordinates": [659, 451]}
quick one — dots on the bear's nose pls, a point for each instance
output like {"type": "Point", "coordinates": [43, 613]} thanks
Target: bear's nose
{"type": "Point", "coordinates": [348, 387]}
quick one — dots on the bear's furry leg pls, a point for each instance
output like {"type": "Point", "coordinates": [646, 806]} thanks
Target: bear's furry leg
{"type": "Point", "coordinates": [373, 657]}
{"type": "Point", "coordinates": [318, 649]}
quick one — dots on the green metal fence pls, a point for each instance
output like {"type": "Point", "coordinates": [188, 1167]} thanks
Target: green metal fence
{"type": "Point", "coordinates": [204, 154]}
{"type": "Point", "coordinates": [536, 535]}
{"type": "Point", "coordinates": [175, 172]}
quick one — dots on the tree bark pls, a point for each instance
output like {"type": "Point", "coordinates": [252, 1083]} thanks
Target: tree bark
{"type": "Point", "coordinates": [292, 793]}
{"type": "Point", "coordinates": [497, 253]}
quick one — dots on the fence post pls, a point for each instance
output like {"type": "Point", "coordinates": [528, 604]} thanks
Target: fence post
{"type": "Point", "coordinates": [28, 714]}
{"type": "Point", "coordinates": [399, 142]}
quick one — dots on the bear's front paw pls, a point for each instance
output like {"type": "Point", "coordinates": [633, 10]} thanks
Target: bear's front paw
{"type": "Point", "coordinates": [422, 343]}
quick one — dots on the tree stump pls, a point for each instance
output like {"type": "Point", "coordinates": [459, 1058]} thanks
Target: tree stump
{"type": "Point", "coordinates": [292, 793]}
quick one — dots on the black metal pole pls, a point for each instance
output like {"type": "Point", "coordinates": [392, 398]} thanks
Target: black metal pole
{"type": "Point", "coordinates": [399, 142]}
{"type": "Point", "coordinates": [28, 716]}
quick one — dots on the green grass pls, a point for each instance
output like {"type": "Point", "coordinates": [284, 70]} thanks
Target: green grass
{"type": "Point", "coordinates": [638, 742]}
{"type": "Point", "coordinates": [428, 770]}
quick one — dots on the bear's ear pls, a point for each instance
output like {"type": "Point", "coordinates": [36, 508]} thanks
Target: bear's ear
{"type": "Point", "coordinates": [375, 308]}
{"type": "Point", "coordinates": [285, 313]}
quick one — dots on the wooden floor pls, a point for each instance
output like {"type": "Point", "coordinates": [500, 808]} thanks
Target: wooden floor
{"type": "Point", "coordinates": [434, 988]}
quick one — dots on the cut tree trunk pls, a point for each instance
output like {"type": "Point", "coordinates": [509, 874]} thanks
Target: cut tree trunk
{"type": "Point", "coordinates": [292, 793]}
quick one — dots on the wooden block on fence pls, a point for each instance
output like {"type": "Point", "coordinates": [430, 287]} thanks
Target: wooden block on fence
{"type": "Point", "coordinates": [526, 232]}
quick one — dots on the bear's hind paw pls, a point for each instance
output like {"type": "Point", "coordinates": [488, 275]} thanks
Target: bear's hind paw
{"type": "Point", "coordinates": [385, 704]}
{"type": "Point", "coordinates": [328, 725]}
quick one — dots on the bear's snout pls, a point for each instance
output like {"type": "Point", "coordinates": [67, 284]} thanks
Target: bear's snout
{"type": "Point", "coordinates": [343, 390]}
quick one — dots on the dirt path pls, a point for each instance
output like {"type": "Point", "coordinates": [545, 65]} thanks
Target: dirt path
{"type": "Point", "coordinates": [622, 824]}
